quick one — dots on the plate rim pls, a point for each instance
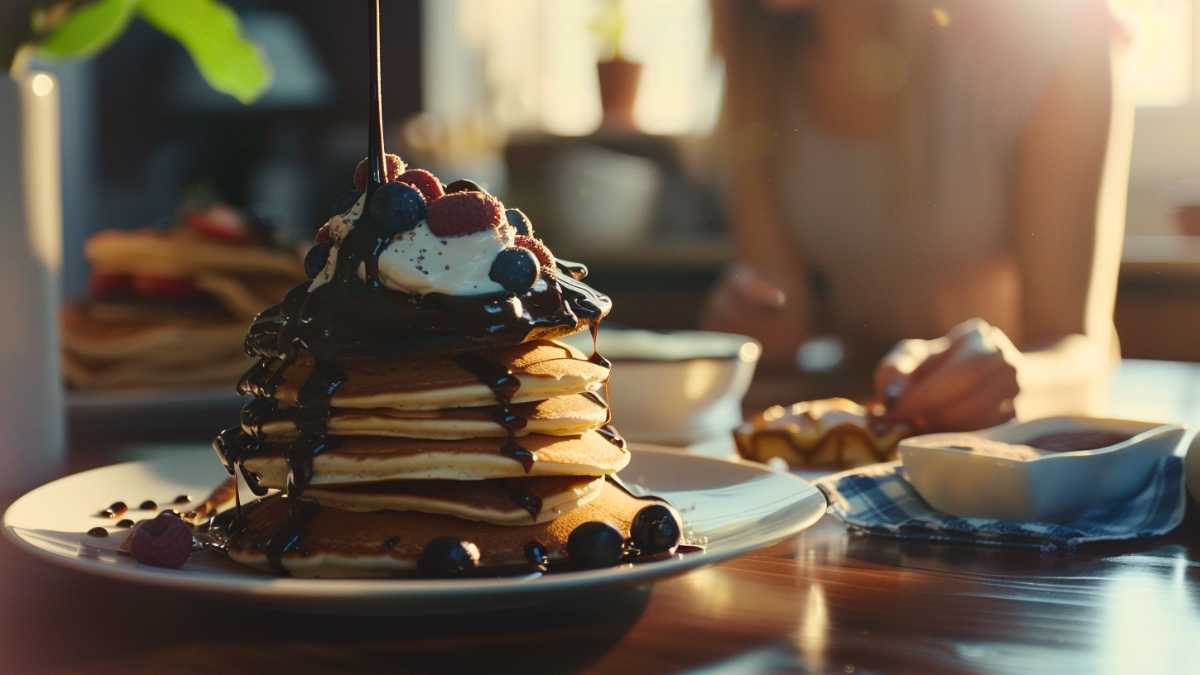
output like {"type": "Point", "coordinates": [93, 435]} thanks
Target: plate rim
{"type": "Point", "coordinates": [300, 589]}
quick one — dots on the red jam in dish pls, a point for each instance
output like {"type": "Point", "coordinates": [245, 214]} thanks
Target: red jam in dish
{"type": "Point", "coordinates": [1083, 439]}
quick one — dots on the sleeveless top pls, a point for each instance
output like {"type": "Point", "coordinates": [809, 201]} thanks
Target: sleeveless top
{"type": "Point", "coordinates": [908, 243]}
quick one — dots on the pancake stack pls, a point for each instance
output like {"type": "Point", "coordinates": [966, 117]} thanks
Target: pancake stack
{"type": "Point", "coordinates": [168, 307]}
{"type": "Point", "coordinates": [434, 428]}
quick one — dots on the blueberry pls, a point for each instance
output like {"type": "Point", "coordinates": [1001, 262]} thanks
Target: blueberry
{"type": "Point", "coordinates": [314, 261]}
{"type": "Point", "coordinates": [448, 557]}
{"type": "Point", "coordinates": [595, 544]}
{"type": "Point", "coordinates": [398, 207]}
{"type": "Point", "coordinates": [346, 201]}
{"type": "Point", "coordinates": [520, 222]}
{"type": "Point", "coordinates": [463, 185]}
{"type": "Point", "coordinates": [655, 529]}
{"type": "Point", "coordinates": [516, 269]}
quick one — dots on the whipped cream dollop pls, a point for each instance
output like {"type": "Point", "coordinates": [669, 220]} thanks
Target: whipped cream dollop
{"type": "Point", "coordinates": [419, 261]}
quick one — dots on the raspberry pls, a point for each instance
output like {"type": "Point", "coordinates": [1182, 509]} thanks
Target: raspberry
{"type": "Point", "coordinates": [463, 213]}
{"type": "Point", "coordinates": [395, 167]}
{"type": "Point", "coordinates": [165, 541]}
{"type": "Point", "coordinates": [424, 181]}
{"type": "Point", "coordinates": [104, 285]}
{"type": "Point", "coordinates": [219, 222]}
{"type": "Point", "coordinates": [538, 249]}
{"type": "Point", "coordinates": [167, 288]}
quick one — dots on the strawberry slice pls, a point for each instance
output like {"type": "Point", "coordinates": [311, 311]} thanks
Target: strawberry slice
{"type": "Point", "coordinates": [105, 285]}
{"type": "Point", "coordinates": [221, 223]}
{"type": "Point", "coordinates": [164, 287]}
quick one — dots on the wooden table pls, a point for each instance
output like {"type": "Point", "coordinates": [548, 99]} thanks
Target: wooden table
{"type": "Point", "coordinates": [824, 601]}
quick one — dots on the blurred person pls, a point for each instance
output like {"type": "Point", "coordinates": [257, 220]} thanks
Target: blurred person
{"type": "Point", "coordinates": [898, 170]}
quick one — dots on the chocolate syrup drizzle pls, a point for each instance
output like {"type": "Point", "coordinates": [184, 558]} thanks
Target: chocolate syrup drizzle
{"type": "Point", "coordinates": [348, 317]}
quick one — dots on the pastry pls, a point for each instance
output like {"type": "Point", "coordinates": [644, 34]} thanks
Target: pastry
{"type": "Point", "coordinates": [827, 433]}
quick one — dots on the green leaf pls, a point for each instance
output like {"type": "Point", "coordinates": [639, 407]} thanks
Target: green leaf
{"type": "Point", "coordinates": [88, 29]}
{"type": "Point", "coordinates": [210, 33]}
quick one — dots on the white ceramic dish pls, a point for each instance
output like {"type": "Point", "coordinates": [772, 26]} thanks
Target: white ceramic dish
{"type": "Point", "coordinates": [1053, 487]}
{"type": "Point", "coordinates": [738, 507]}
{"type": "Point", "coordinates": [676, 387]}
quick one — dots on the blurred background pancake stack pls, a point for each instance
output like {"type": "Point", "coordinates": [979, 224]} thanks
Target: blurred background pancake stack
{"type": "Point", "coordinates": [432, 434]}
{"type": "Point", "coordinates": [168, 307]}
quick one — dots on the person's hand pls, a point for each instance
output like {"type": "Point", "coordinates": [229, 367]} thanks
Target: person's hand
{"type": "Point", "coordinates": [966, 380]}
{"type": "Point", "coordinates": [746, 303]}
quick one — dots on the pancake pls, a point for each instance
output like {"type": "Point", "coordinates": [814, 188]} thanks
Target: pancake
{"type": "Point", "coordinates": [181, 252]}
{"type": "Point", "coordinates": [242, 296]}
{"type": "Point", "coordinates": [337, 543]}
{"type": "Point", "coordinates": [369, 459]}
{"type": "Point", "coordinates": [166, 341]}
{"type": "Point", "coordinates": [134, 372]}
{"type": "Point", "coordinates": [544, 369]}
{"type": "Point", "coordinates": [503, 501]}
{"type": "Point", "coordinates": [558, 416]}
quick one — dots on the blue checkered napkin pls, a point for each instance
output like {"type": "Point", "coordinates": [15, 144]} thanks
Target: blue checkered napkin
{"type": "Point", "coordinates": [879, 500]}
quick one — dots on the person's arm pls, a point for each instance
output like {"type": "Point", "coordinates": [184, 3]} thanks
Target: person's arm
{"type": "Point", "coordinates": [1071, 176]}
{"type": "Point", "coordinates": [764, 294]}
{"type": "Point", "coordinates": [1067, 208]}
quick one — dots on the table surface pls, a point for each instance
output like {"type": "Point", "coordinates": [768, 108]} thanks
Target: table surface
{"type": "Point", "coordinates": [823, 601]}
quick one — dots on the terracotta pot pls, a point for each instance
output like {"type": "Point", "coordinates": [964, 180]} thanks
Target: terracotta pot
{"type": "Point", "coordinates": [618, 90]}
{"type": "Point", "coordinates": [1187, 219]}
{"type": "Point", "coordinates": [31, 397]}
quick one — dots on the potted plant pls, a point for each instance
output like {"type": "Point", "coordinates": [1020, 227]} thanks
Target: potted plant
{"type": "Point", "coordinates": [32, 35]}
{"type": "Point", "coordinates": [618, 76]}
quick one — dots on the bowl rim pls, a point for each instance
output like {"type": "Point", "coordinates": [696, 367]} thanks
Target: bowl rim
{"type": "Point", "coordinates": [1011, 433]}
{"type": "Point", "coordinates": [736, 341]}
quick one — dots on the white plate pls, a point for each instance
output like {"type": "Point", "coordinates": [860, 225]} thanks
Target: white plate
{"type": "Point", "coordinates": [738, 507]}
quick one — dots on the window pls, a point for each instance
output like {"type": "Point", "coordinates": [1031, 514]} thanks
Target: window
{"type": "Point", "coordinates": [534, 63]}
{"type": "Point", "coordinates": [1162, 49]}
{"type": "Point", "coordinates": [1165, 167]}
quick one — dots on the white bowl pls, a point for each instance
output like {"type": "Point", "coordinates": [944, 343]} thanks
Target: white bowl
{"type": "Point", "coordinates": [1052, 487]}
{"type": "Point", "coordinates": [676, 387]}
